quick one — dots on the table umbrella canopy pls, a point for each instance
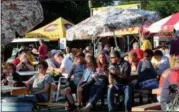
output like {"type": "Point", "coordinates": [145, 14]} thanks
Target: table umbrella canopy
{"type": "Point", "coordinates": [168, 24]}
{"type": "Point", "coordinates": [19, 16]}
{"type": "Point", "coordinates": [52, 31]}
{"type": "Point", "coordinates": [110, 19]}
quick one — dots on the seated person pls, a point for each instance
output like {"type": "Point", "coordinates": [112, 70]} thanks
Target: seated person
{"type": "Point", "coordinates": [161, 82]}
{"type": "Point", "coordinates": [147, 78]}
{"type": "Point", "coordinates": [21, 62]}
{"type": "Point", "coordinates": [119, 81]}
{"type": "Point", "coordinates": [66, 65]}
{"type": "Point", "coordinates": [10, 76]}
{"type": "Point", "coordinates": [160, 62]}
{"type": "Point", "coordinates": [40, 83]}
{"type": "Point", "coordinates": [172, 78]}
{"type": "Point", "coordinates": [137, 50]}
{"type": "Point", "coordinates": [101, 81]}
{"type": "Point", "coordinates": [134, 61]}
{"type": "Point", "coordinates": [30, 57]}
{"type": "Point", "coordinates": [87, 81]}
{"type": "Point", "coordinates": [74, 79]}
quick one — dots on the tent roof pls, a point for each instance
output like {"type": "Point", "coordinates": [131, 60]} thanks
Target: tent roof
{"type": "Point", "coordinates": [52, 31]}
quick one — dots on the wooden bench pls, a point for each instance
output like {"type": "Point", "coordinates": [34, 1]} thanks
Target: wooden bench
{"type": "Point", "coordinates": [147, 107]}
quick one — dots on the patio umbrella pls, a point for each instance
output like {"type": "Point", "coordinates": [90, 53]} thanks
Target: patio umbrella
{"type": "Point", "coordinates": [168, 24]}
{"type": "Point", "coordinates": [110, 19]}
{"type": "Point", "coordinates": [19, 16]}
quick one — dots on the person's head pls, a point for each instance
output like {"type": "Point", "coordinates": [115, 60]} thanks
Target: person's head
{"type": "Point", "coordinates": [135, 45]}
{"type": "Point", "coordinates": [132, 56]}
{"type": "Point", "coordinates": [59, 57]}
{"type": "Point", "coordinates": [101, 58]}
{"type": "Point", "coordinates": [29, 52]}
{"type": "Point", "coordinates": [22, 54]}
{"type": "Point", "coordinates": [115, 56]}
{"type": "Point", "coordinates": [40, 41]}
{"type": "Point", "coordinates": [90, 61]}
{"type": "Point", "coordinates": [11, 68]}
{"type": "Point", "coordinates": [52, 53]}
{"type": "Point", "coordinates": [67, 50]}
{"type": "Point", "coordinates": [102, 61]}
{"type": "Point", "coordinates": [80, 57]}
{"type": "Point", "coordinates": [42, 67]}
{"type": "Point", "coordinates": [148, 53]}
{"type": "Point", "coordinates": [158, 55]}
{"type": "Point", "coordinates": [89, 49]}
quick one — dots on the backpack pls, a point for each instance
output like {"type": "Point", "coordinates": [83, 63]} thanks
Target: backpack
{"type": "Point", "coordinates": [173, 92]}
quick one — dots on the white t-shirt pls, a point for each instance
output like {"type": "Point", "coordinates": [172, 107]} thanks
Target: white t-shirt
{"type": "Point", "coordinates": [162, 65]}
{"type": "Point", "coordinates": [68, 65]}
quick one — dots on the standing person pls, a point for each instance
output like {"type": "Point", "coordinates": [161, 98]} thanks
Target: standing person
{"type": "Point", "coordinates": [87, 81]}
{"type": "Point", "coordinates": [74, 79]}
{"type": "Point", "coordinates": [147, 78]}
{"type": "Point", "coordinates": [101, 81]}
{"type": "Point", "coordinates": [137, 50]}
{"type": "Point", "coordinates": [160, 62]}
{"type": "Point", "coordinates": [119, 81]}
{"type": "Point", "coordinates": [146, 44]}
{"type": "Point", "coordinates": [174, 48]}
{"type": "Point", "coordinates": [42, 51]}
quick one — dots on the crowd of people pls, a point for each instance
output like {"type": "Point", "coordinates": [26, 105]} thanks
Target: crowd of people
{"type": "Point", "coordinates": [90, 77]}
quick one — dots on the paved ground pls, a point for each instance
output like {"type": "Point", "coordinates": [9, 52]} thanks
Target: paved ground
{"type": "Point", "coordinates": [98, 107]}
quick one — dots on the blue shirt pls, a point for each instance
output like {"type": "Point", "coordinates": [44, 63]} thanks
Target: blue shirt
{"type": "Point", "coordinates": [79, 70]}
{"type": "Point", "coordinates": [88, 74]}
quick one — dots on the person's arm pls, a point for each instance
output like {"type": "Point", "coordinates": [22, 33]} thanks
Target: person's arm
{"type": "Point", "coordinates": [110, 79]}
{"type": "Point", "coordinates": [88, 83]}
{"type": "Point", "coordinates": [30, 67]}
{"type": "Point", "coordinates": [19, 66]}
{"type": "Point", "coordinates": [45, 90]}
{"type": "Point", "coordinates": [30, 81]}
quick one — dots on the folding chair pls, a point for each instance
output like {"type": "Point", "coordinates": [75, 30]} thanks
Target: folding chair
{"type": "Point", "coordinates": [61, 81]}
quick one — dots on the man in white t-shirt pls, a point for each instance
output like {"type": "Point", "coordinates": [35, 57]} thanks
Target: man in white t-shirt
{"type": "Point", "coordinates": [66, 65]}
{"type": "Point", "coordinates": [160, 62]}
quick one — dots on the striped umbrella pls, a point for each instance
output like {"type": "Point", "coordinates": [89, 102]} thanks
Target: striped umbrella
{"type": "Point", "coordinates": [168, 24]}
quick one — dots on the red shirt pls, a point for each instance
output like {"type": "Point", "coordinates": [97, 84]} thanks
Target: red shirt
{"type": "Point", "coordinates": [42, 51]}
{"type": "Point", "coordinates": [16, 61]}
{"type": "Point", "coordinates": [139, 53]}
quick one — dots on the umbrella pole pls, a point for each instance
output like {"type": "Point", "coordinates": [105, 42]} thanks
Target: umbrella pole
{"type": "Point", "coordinates": [115, 39]}
{"type": "Point", "coordinates": [128, 43]}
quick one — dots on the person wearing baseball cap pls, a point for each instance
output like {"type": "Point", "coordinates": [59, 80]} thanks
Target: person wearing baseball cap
{"type": "Point", "coordinates": [121, 74]}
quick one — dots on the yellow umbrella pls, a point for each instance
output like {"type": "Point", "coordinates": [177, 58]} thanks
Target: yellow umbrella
{"type": "Point", "coordinates": [52, 31]}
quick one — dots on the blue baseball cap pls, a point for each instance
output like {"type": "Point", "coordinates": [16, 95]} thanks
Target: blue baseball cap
{"type": "Point", "coordinates": [53, 52]}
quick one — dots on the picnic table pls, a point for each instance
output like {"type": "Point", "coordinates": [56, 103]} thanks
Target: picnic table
{"type": "Point", "coordinates": [27, 73]}
{"type": "Point", "coordinates": [8, 88]}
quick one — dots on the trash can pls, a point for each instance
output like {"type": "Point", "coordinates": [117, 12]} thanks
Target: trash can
{"type": "Point", "coordinates": [18, 103]}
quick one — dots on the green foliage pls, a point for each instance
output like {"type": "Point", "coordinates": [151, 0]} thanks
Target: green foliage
{"type": "Point", "coordinates": [101, 3]}
{"type": "Point", "coordinates": [165, 8]}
